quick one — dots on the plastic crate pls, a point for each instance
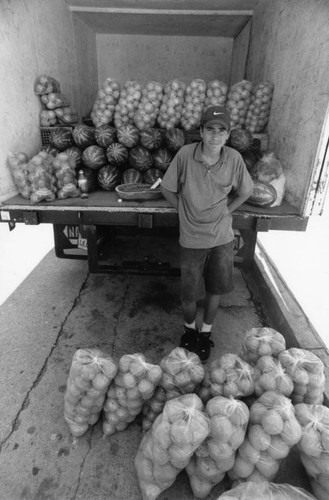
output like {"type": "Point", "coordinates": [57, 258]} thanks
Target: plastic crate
{"type": "Point", "coordinates": [259, 142]}
{"type": "Point", "coordinates": [46, 131]}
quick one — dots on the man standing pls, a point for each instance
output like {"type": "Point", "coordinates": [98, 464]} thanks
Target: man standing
{"type": "Point", "coordinates": [198, 183]}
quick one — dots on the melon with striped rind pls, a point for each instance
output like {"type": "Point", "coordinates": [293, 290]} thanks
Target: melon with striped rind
{"type": "Point", "coordinates": [84, 136]}
{"type": "Point", "coordinates": [151, 138]}
{"type": "Point", "coordinates": [94, 157]}
{"type": "Point", "coordinates": [117, 154]}
{"type": "Point", "coordinates": [128, 135]}
{"type": "Point", "coordinates": [263, 195]}
{"type": "Point", "coordinates": [109, 176]}
{"type": "Point", "coordinates": [140, 158]}
{"type": "Point", "coordinates": [132, 176]}
{"type": "Point", "coordinates": [105, 135]}
{"type": "Point", "coordinates": [151, 175]}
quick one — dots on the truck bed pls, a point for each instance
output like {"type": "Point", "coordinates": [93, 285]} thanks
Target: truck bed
{"type": "Point", "coordinates": [108, 202]}
{"type": "Point", "coordinates": [103, 214]}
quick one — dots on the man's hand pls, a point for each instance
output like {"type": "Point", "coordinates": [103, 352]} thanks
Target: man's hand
{"type": "Point", "coordinates": [237, 201]}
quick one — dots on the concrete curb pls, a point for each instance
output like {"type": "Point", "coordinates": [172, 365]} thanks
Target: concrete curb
{"type": "Point", "coordinates": [283, 310]}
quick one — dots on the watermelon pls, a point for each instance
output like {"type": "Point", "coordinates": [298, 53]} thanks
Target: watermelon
{"type": "Point", "coordinates": [105, 135]}
{"type": "Point", "coordinates": [117, 154]}
{"type": "Point", "coordinates": [240, 139]}
{"type": "Point", "coordinates": [174, 139]}
{"type": "Point", "coordinates": [50, 150]}
{"type": "Point", "coordinates": [84, 136]}
{"type": "Point", "coordinates": [91, 176]}
{"type": "Point", "coordinates": [151, 175]}
{"type": "Point", "coordinates": [128, 135]}
{"type": "Point", "coordinates": [151, 138]}
{"type": "Point", "coordinates": [162, 158]}
{"type": "Point", "coordinates": [61, 138]}
{"type": "Point", "coordinates": [250, 159]}
{"type": "Point", "coordinates": [94, 157]}
{"type": "Point", "coordinates": [132, 176]}
{"type": "Point", "coordinates": [108, 177]}
{"type": "Point", "coordinates": [75, 154]}
{"type": "Point", "coordinates": [263, 195]}
{"type": "Point", "coordinates": [140, 158]}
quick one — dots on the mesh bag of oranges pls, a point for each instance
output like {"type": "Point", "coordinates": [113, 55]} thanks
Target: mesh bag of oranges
{"type": "Point", "coordinates": [167, 447]}
{"type": "Point", "coordinates": [227, 376]}
{"type": "Point", "coordinates": [90, 375]}
{"type": "Point", "coordinates": [134, 383]}
{"type": "Point", "coordinates": [263, 341]}
{"type": "Point", "coordinates": [314, 445]}
{"type": "Point", "coordinates": [228, 419]}
{"type": "Point", "coordinates": [272, 431]}
{"type": "Point", "coordinates": [182, 372]}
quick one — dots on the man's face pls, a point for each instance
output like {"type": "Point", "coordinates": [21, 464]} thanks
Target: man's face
{"type": "Point", "coordinates": [214, 136]}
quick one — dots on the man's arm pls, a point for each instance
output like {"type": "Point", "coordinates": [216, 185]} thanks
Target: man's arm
{"type": "Point", "coordinates": [236, 201]}
{"type": "Point", "coordinates": [170, 196]}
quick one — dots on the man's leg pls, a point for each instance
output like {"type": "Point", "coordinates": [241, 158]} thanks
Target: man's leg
{"type": "Point", "coordinates": [210, 308]}
{"type": "Point", "coordinates": [189, 311]}
{"type": "Point", "coordinates": [192, 265]}
{"type": "Point", "coordinates": [218, 280]}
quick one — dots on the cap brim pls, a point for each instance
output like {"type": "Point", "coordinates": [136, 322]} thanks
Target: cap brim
{"type": "Point", "coordinates": [219, 121]}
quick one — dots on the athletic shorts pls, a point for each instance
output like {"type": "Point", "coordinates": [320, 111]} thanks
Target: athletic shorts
{"type": "Point", "coordinates": [214, 265]}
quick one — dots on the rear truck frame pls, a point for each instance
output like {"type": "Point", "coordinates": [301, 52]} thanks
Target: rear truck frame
{"type": "Point", "coordinates": [81, 226]}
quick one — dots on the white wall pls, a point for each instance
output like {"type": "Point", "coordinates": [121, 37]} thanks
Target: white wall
{"type": "Point", "coordinates": [162, 58]}
{"type": "Point", "coordinates": [37, 36]}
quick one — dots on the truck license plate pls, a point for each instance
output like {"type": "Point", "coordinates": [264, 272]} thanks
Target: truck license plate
{"type": "Point", "coordinates": [82, 243]}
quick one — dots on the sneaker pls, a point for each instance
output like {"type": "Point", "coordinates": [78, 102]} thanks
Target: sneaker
{"type": "Point", "coordinates": [204, 346]}
{"type": "Point", "coordinates": [189, 340]}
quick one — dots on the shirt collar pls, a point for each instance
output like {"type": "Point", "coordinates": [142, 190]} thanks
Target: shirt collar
{"type": "Point", "coordinates": [198, 153]}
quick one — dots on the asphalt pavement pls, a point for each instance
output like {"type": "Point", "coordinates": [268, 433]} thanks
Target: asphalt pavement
{"type": "Point", "coordinates": [59, 308]}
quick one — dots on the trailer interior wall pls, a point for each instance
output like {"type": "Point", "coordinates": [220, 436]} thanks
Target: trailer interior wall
{"type": "Point", "coordinates": [86, 58]}
{"type": "Point", "coordinates": [155, 57]}
{"type": "Point", "coordinates": [36, 37]}
{"type": "Point", "coordinates": [290, 46]}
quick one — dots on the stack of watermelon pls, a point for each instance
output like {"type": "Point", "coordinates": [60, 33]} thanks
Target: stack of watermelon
{"type": "Point", "coordinates": [136, 130]}
{"type": "Point", "coordinates": [110, 155]}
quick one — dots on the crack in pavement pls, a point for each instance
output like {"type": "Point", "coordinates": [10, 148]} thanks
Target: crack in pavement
{"type": "Point", "coordinates": [16, 422]}
{"type": "Point", "coordinates": [83, 464]}
{"type": "Point", "coordinates": [256, 302]}
{"type": "Point", "coordinates": [93, 428]}
{"type": "Point", "coordinates": [119, 313]}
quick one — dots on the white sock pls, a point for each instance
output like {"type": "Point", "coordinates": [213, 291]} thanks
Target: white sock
{"type": "Point", "coordinates": [206, 328]}
{"type": "Point", "coordinates": [190, 325]}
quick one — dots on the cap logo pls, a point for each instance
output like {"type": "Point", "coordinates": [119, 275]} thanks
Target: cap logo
{"type": "Point", "coordinates": [218, 113]}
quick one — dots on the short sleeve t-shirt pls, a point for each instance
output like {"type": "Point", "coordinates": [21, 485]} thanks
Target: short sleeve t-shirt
{"type": "Point", "coordinates": [203, 192]}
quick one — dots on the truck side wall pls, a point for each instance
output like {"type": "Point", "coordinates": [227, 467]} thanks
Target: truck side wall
{"type": "Point", "coordinates": [36, 37]}
{"type": "Point", "coordinates": [161, 58]}
{"type": "Point", "coordinates": [86, 56]}
{"type": "Point", "coordinates": [289, 46]}
{"type": "Point", "coordinates": [240, 54]}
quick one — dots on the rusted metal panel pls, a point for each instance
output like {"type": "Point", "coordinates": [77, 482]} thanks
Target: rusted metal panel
{"type": "Point", "coordinates": [319, 185]}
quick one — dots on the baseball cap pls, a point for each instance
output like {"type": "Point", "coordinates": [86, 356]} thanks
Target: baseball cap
{"type": "Point", "coordinates": [216, 114]}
